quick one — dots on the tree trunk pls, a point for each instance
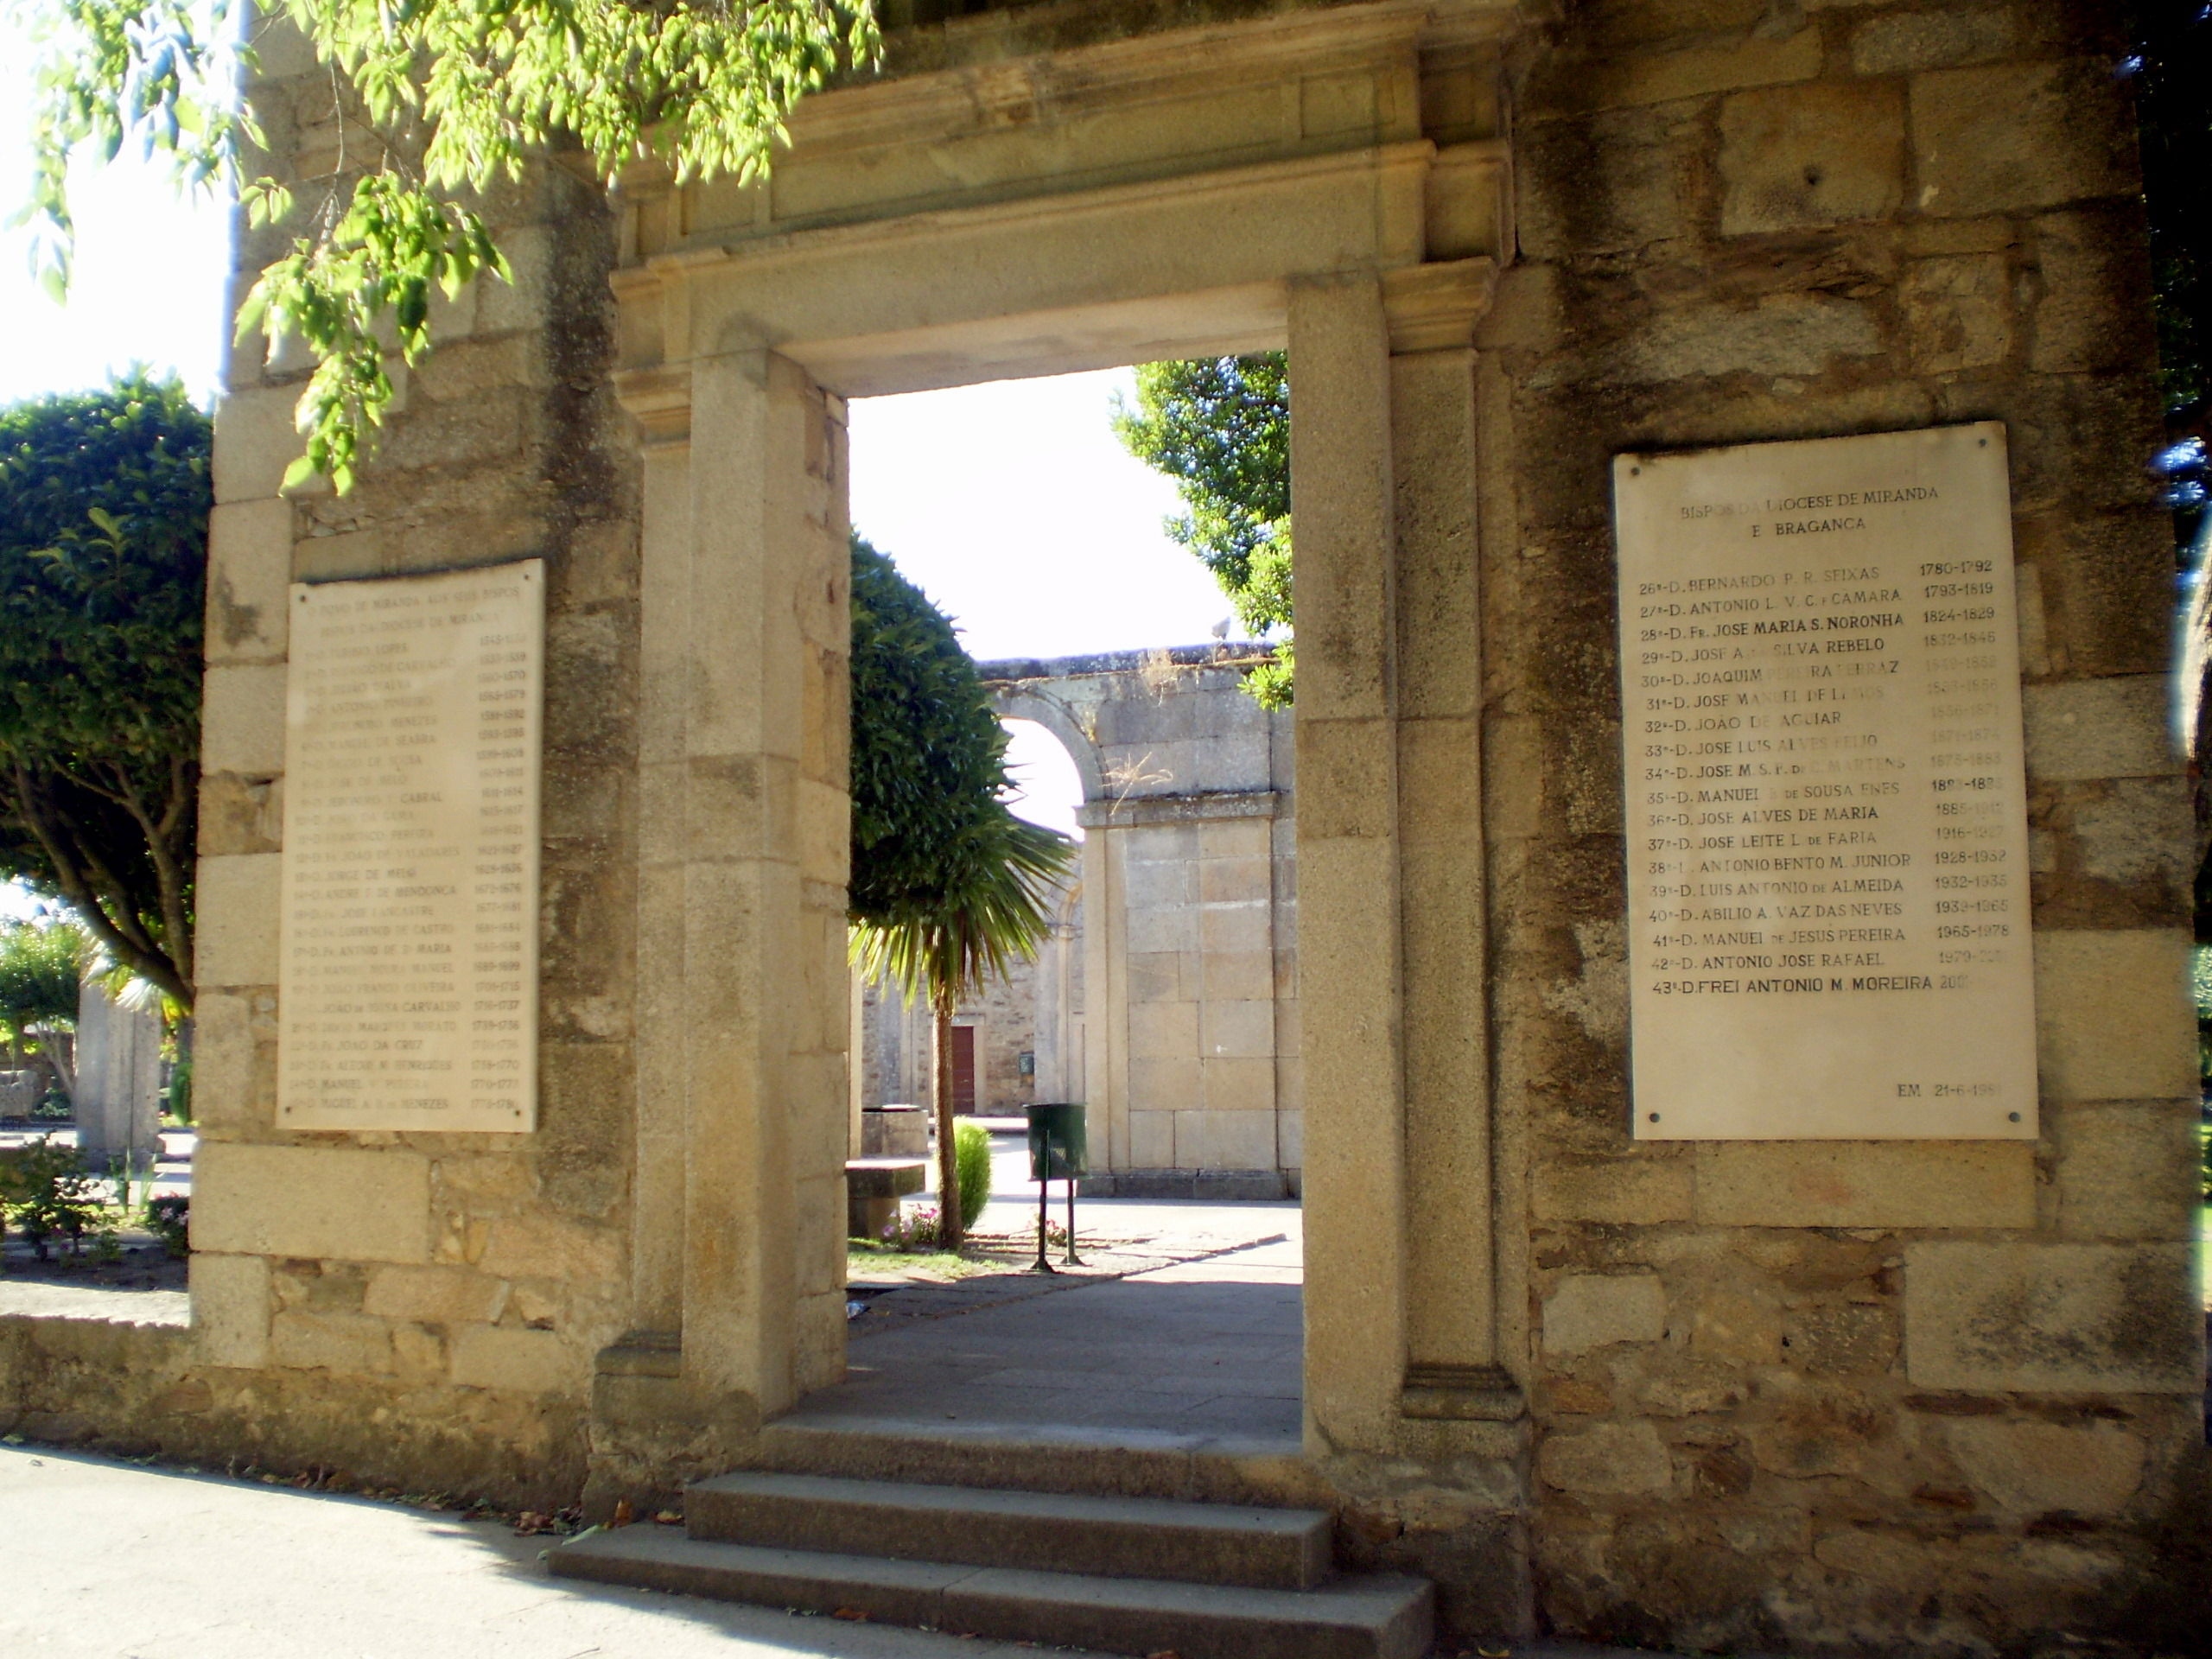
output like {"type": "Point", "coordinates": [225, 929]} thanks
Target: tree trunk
{"type": "Point", "coordinates": [949, 1230]}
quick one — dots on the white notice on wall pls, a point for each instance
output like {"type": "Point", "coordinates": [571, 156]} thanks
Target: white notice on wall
{"type": "Point", "coordinates": [408, 988]}
{"type": "Point", "coordinates": [1827, 817]}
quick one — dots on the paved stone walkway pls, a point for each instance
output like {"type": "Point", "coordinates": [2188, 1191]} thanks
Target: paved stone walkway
{"type": "Point", "coordinates": [1203, 1347]}
{"type": "Point", "coordinates": [108, 1561]}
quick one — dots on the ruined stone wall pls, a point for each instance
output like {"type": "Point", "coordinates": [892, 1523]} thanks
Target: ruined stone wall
{"type": "Point", "coordinates": [451, 1288]}
{"type": "Point", "coordinates": [895, 1046]}
{"type": "Point", "coordinates": [1929, 1396]}
{"type": "Point", "coordinates": [1005, 1019]}
{"type": "Point", "coordinates": [1915, 1397]}
{"type": "Point", "coordinates": [1193, 1051]}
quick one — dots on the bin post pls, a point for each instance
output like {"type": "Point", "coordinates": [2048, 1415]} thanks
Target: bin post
{"type": "Point", "coordinates": [1057, 1148]}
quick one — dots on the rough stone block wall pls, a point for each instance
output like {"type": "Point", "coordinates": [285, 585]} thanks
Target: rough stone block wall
{"type": "Point", "coordinates": [417, 1279]}
{"type": "Point", "coordinates": [1005, 1018]}
{"type": "Point", "coordinates": [159, 1386]}
{"type": "Point", "coordinates": [1940, 1397]}
{"type": "Point", "coordinates": [896, 1042]}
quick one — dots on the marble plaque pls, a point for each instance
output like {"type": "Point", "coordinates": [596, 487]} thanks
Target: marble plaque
{"type": "Point", "coordinates": [1827, 817]}
{"type": "Point", "coordinates": [408, 979]}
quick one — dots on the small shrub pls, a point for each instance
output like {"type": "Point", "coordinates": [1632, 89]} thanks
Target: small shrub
{"type": "Point", "coordinates": [971, 1157]}
{"type": "Point", "coordinates": [914, 1229]}
{"type": "Point", "coordinates": [45, 1191]}
{"type": "Point", "coordinates": [170, 1216]}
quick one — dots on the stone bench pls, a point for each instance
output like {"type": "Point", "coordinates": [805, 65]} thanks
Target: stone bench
{"type": "Point", "coordinates": [873, 1188]}
{"type": "Point", "coordinates": [894, 1132]}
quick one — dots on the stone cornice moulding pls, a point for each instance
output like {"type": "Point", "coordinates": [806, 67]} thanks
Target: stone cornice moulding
{"type": "Point", "coordinates": [944, 103]}
{"type": "Point", "coordinates": [798, 242]}
{"type": "Point", "coordinates": [1036, 30]}
{"type": "Point", "coordinates": [659, 400]}
{"type": "Point", "coordinates": [1435, 307]}
{"type": "Point", "coordinates": [1010, 89]}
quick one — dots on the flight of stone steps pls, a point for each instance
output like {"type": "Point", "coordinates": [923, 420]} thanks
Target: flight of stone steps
{"type": "Point", "coordinates": [1134, 1575]}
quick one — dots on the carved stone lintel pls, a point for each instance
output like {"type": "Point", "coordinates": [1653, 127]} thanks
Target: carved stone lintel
{"type": "Point", "coordinates": [1435, 307]}
{"type": "Point", "coordinates": [1462, 1393]}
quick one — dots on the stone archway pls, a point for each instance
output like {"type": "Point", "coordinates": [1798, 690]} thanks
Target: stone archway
{"type": "Point", "coordinates": [1194, 1077]}
{"type": "Point", "coordinates": [1356, 217]}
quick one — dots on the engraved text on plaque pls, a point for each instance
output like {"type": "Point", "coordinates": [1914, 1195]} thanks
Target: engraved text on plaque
{"type": "Point", "coordinates": [1827, 817]}
{"type": "Point", "coordinates": [409, 992]}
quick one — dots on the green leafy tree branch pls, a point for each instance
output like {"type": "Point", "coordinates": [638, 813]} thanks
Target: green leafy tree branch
{"type": "Point", "coordinates": [42, 965]}
{"type": "Point", "coordinates": [1220, 428]}
{"type": "Point", "coordinates": [448, 98]}
{"type": "Point", "coordinates": [104, 503]}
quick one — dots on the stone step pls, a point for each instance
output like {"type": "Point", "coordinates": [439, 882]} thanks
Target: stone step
{"type": "Point", "coordinates": [1111, 1537]}
{"type": "Point", "coordinates": [1101, 1462]}
{"type": "Point", "coordinates": [1370, 1618]}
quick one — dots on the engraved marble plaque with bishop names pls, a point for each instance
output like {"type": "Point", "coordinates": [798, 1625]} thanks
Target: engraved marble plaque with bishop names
{"type": "Point", "coordinates": [1827, 817]}
{"type": "Point", "coordinates": [409, 978]}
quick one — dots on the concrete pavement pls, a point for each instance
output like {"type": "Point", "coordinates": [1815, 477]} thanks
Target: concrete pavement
{"type": "Point", "coordinates": [106, 1561]}
{"type": "Point", "coordinates": [100, 1560]}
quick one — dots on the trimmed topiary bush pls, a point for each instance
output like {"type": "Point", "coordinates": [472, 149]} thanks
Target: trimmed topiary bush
{"type": "Point", "coordinates": [971, 1150]}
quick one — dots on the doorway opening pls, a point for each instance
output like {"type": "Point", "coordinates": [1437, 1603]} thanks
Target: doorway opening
{"type": "Point", "coordinates": [1164, 1000]}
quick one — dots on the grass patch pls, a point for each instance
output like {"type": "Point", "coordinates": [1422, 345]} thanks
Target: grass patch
{"type": "Point", "coordinates": [865, 1256]}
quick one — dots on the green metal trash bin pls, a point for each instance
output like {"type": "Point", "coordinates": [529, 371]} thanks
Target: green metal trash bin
{"type": "Point", "coordinates": [1058, 1151]}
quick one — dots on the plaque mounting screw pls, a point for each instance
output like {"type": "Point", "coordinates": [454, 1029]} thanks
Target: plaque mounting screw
{"type": "Point", "coordinates": [1652, 1116]}
{"type": "Point", "coordinates": [2011, 1117]}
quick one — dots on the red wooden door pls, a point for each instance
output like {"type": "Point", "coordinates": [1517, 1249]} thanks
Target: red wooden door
{"type": "Point", "coordinates": [963, 1068]}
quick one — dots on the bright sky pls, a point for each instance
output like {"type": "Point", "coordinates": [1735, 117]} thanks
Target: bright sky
{"type": "Point", "coordinates": [150, 270]}
{"type": "Point", "coordinates": [1017, 510]}
{"type": "Point", "coordinates": [1011, 503]}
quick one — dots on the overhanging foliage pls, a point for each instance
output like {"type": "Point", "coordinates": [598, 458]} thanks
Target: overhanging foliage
{"type": "Point", "coordinates": [1220, 428]}
{"type": "Point", "coordinates": [438, 100]}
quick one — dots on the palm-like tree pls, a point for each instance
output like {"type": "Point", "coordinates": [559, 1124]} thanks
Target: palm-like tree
{"type": "Point", "coordinates": [995, 906]}
{"type": "Point", "coordinates": [948, 886]}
